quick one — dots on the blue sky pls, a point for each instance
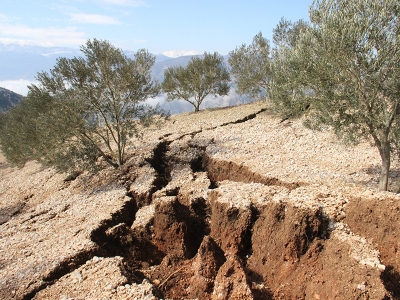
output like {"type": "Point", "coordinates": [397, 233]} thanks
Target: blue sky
{"type": "Point", "coordinates": [157, 25]}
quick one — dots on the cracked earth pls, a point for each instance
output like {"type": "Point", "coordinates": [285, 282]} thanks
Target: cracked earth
{"type": "Point", "coordinates": [223, 204]}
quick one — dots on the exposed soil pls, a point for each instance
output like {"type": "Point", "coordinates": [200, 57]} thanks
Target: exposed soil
{"type": "Point", "coordinates": [378, 221]}
{"type": "Point", "coordinates": [203, 211]}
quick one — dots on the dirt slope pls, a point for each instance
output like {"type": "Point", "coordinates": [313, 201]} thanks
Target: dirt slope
{"type": "Point", "coordinates": [223, 204]}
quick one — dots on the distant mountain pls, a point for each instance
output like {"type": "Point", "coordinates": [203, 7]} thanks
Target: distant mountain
{"type": "Point", "coordinates": [25, 61]}
{"type": "Point", "coordinates": [161, 64]}
{"type": "Point", "coordinates": [178, 53]}
{"type": "Point", "coordinates": [162, 57]}
{"type": "Point", "coordinates": [8, 99]}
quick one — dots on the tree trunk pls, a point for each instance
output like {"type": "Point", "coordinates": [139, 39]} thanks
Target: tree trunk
{"type": "Point", "coordinates": [197, 108]}
{"type": "Point", "coordinates": [120, 160]}
{"type": "Point", "coordinates": [384, 151]}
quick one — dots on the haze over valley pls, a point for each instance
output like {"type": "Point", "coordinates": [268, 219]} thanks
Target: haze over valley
{"type": "Point", "coordinates": [20, 64]}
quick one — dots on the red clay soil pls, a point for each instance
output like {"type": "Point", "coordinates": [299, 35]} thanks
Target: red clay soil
{"type": "Point", "coordinates": [379, 221]}
{"type": "Point", "coordinates": [266, 251]}
{"type": "Point", "coordinates": [194, 226]}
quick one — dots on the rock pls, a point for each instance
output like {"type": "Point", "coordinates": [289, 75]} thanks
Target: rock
{"type": "Point", "coordinates": [76, 276]}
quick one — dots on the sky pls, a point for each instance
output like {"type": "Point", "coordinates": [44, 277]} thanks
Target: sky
{"type": "Point", "coordinates": [160, 26]}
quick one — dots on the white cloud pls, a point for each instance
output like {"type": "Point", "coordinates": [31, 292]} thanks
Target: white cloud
{"type": "Point", "coordinates": [160, 99]}
{"type": "Point", "coordinates": [93, 19]}
{"type": "Point", "coordinates": [50, 36]}
{"type": "Point", "coordinates": [17, 86]}
{"type": "Point", "coordinates": [133, 3]}
{"type": "Point", "coordinates": [178, 53]}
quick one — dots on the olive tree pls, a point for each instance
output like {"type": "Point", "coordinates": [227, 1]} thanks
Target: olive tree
{"type": "Point", "coordinates": [286, 33]}
{"type": "Point", "coordinates": [203, 76]}
{"type": "Point", "coordinates": [251, 67]}
{"type": "Point", "coordinates": [83, 109]}
{"type": "Point", "coordinates": [290, 84]}
{"type": "Point", "coordinates": [345, 68]}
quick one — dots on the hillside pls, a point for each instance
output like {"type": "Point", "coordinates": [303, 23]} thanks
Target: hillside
{"type": "Point", "coordinates": [226, 203]}
{"type": "Point", "coordinates": [8, 98]}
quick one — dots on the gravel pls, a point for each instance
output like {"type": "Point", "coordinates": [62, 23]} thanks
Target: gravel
{"type": "Point", "coordinates": [46, 221]}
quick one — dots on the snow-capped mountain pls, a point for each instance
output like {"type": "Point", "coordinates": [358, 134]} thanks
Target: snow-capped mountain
{"type": "Point", "coordinates": [20, 63]}
{"type": "Point", "coordinates": [41, 50]}
{"type": "Point", "coordinates": [179, 53]}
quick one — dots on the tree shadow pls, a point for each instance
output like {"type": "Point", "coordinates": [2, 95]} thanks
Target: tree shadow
{"type": "Point", "coordinates": [6, 213]}
{"type": "Point", "coordinates": [374, 171]}
{"type": "Point", "coordinates": [4, 166]}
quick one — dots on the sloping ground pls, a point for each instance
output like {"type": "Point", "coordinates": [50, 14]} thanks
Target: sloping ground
{"type": "Point", "coordinates": [222, 204]}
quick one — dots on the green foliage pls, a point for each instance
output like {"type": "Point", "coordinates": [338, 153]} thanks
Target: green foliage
{"type": "Point", "coordinates": [286, 33]}
{"type": "Point", "coordinates": [345, 67]}
{"type": "Point", "coordinates": [289, 89]}
{"type": "Point", "coordinates": [10, 136]}
{"type": "Point", "coordinates": [201, 77]}
{"type": "Point", "coordinates": [2, 119]}
{"type": "Point", "coordinates": [84, 109]}
{"type": "Point", "coordinates": [251, 67]}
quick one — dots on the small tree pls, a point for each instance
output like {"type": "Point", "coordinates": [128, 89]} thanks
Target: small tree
{"type": "Point", "coordinates": [345, 67]}
{"type": "Point", "coordinates": [84, 109]}
{"type": "Point", "coordinates": [251, 67]}
{"type": "Point", "coordinates": [201, 77]}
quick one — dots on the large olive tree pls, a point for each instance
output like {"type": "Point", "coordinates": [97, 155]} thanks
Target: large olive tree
{"type": "Point", "coordinates": [203, 76]}
{"type": "Point", "coordinates": [251, 67]}
{"type": "Point", "coordinates": [345, 69]}
{"type": "Point", "coordinates": [85, 108]}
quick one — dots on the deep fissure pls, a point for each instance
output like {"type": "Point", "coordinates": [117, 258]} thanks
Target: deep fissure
{"type": "Point", "coordinates": [115, 237]}
{"type": "Point", "coordinates": [159, 163]}
{"type": "Point", "coordinates": [391, 279]}
{"type": "Point", "coordinates": [108, 247]}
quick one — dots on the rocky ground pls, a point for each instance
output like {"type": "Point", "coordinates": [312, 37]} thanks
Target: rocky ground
{"type": "Point", "coordinates": [226, 203]}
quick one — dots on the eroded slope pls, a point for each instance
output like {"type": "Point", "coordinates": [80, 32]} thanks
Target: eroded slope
{"type": "Point", "coordinates": [222, 204]}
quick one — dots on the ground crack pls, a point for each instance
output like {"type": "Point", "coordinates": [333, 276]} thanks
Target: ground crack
{"type": "Point", "coordinates": [114, 237]}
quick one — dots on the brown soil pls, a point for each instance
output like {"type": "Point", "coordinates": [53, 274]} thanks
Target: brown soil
{"type": "Point", "coordinates": [202, 214]}
{"type": "Point", "coordinates": [378, 221]}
